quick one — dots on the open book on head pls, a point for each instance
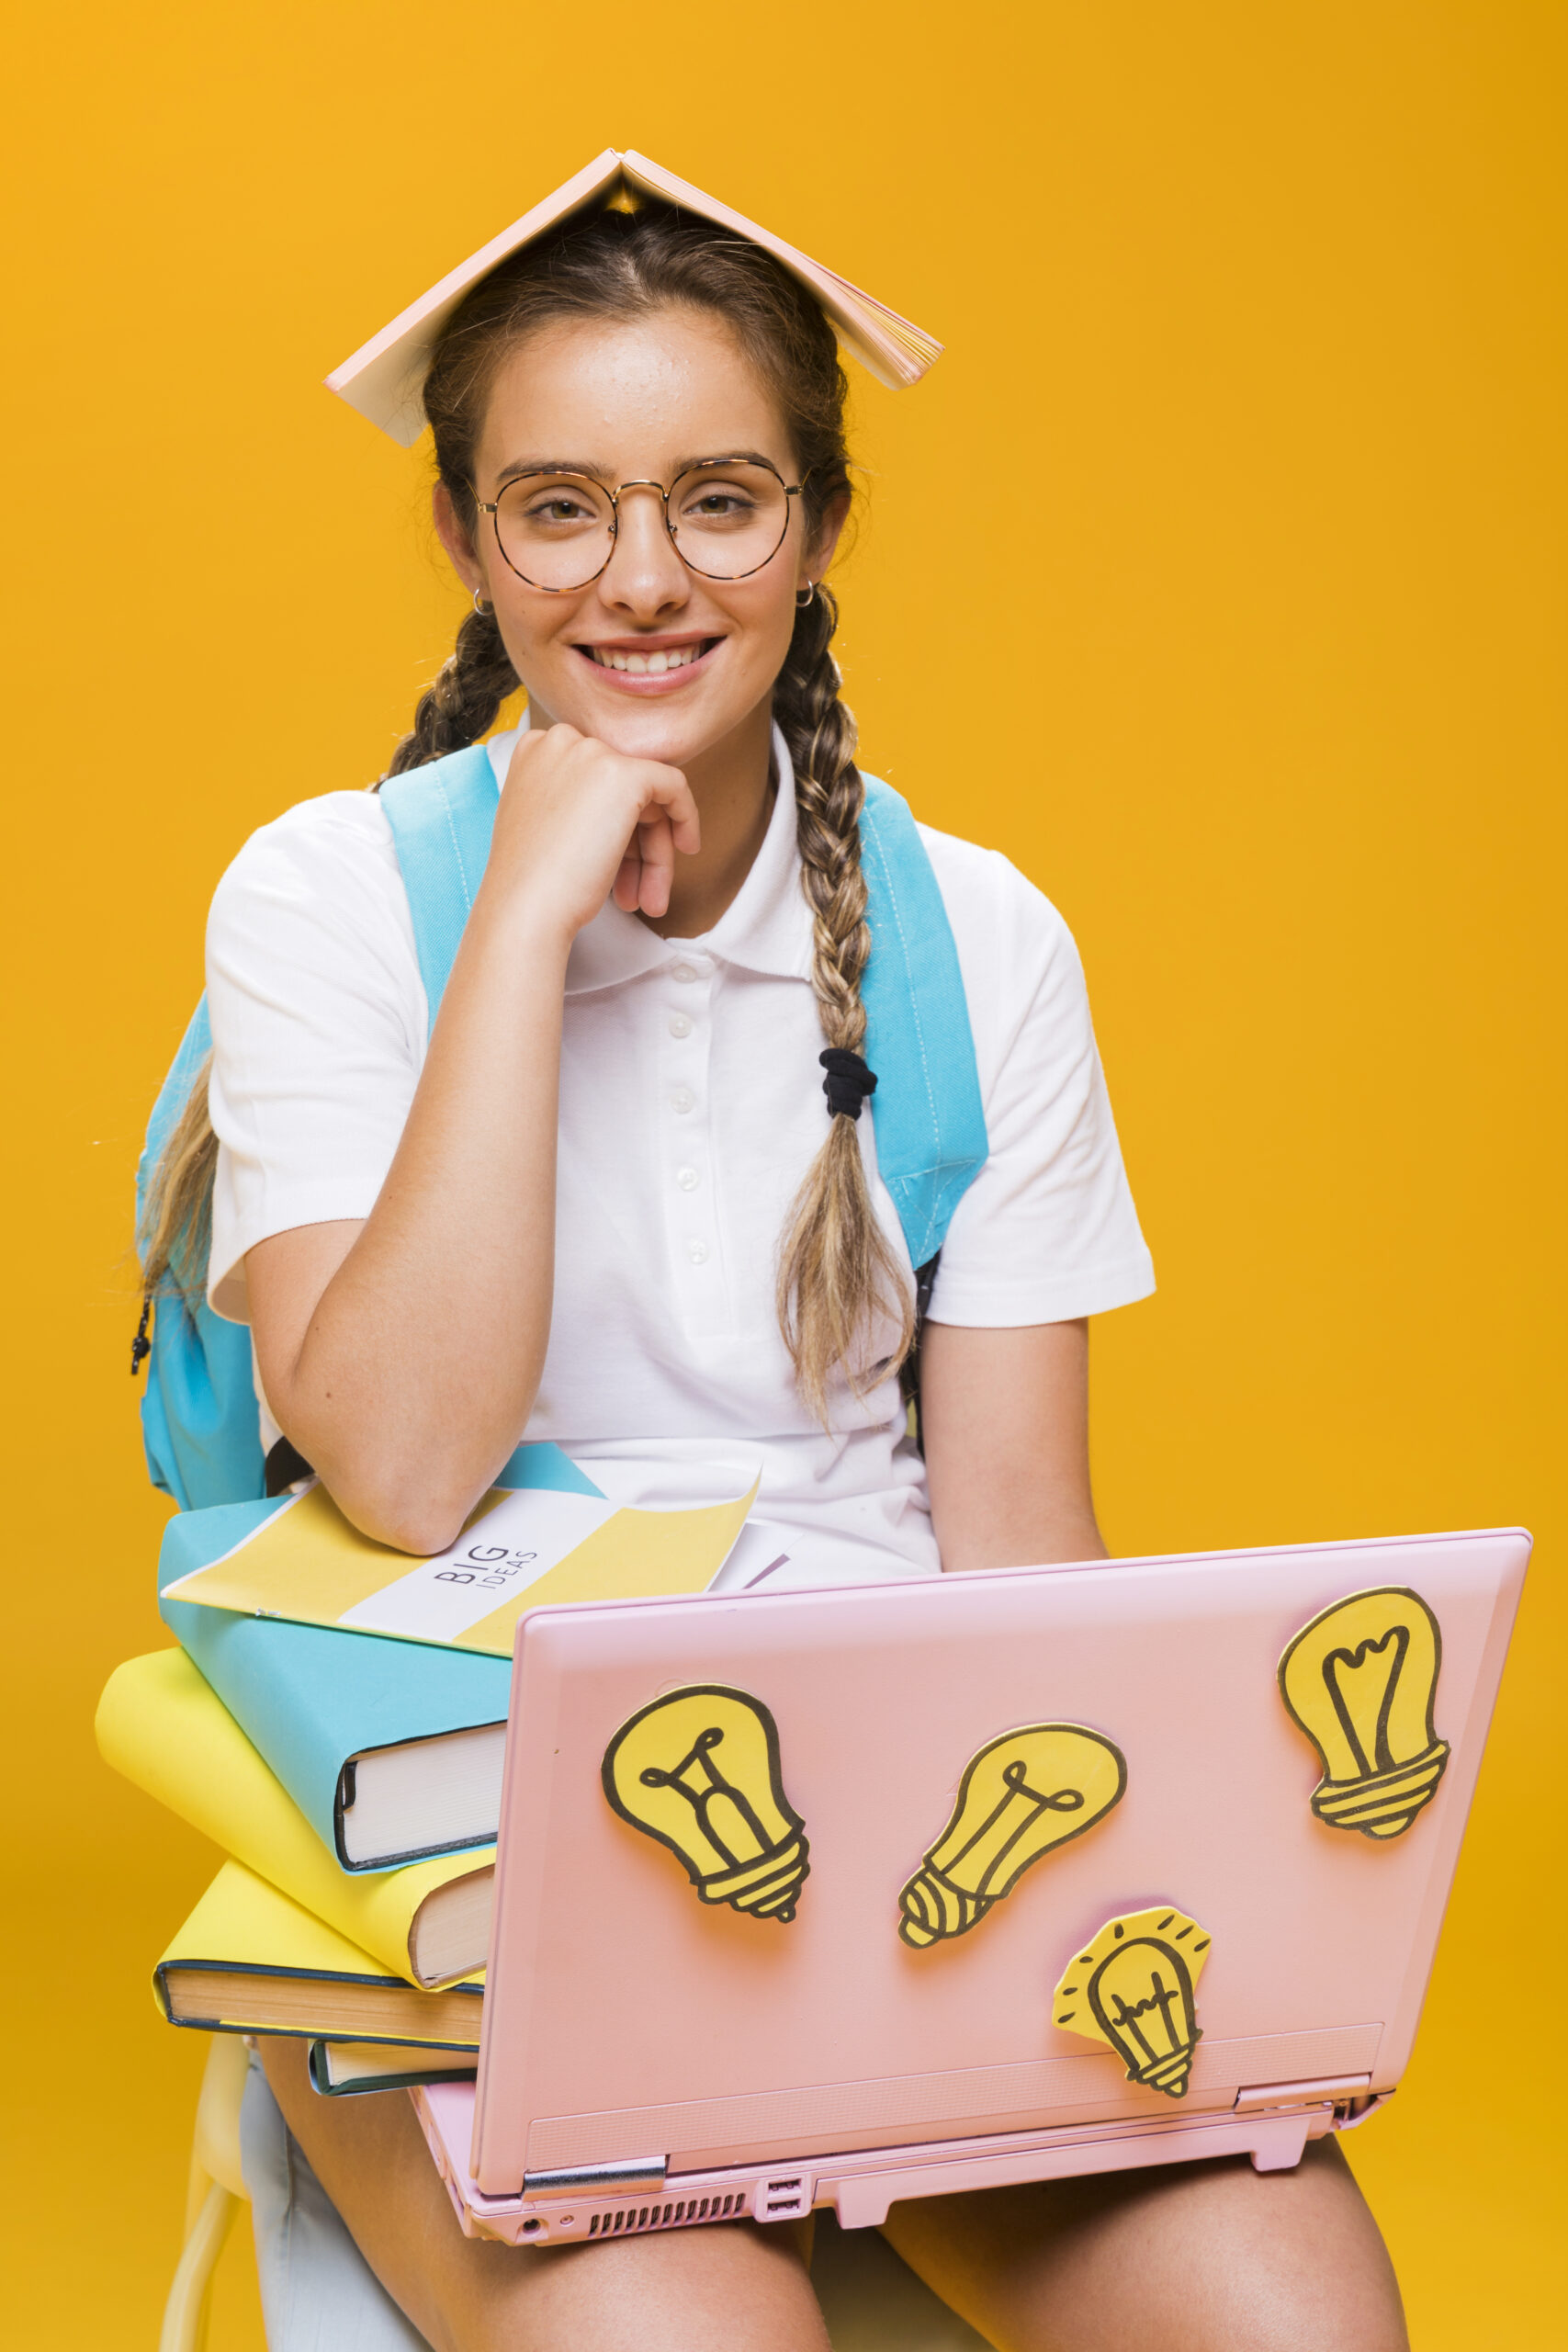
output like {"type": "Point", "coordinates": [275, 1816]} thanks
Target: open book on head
{"type": "Point", "coordinates": [518, 1550]}
{"type": "Point", "coordinates": [384, 379]}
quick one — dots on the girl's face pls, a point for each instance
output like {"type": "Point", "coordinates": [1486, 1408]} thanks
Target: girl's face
{"type": "Point", "coordinates": [638, 400]}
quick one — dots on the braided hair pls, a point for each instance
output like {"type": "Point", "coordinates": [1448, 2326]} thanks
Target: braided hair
{"type": "Point", "coordinates": [837, 1275]}
{"type": "Point", "coordinates": [461, 703]}
{"type": "Point", "coordinates": [840, 1284]}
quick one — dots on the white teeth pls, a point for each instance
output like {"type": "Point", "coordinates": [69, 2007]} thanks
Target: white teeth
{"type": "Point", "coordinates": [652, 665]}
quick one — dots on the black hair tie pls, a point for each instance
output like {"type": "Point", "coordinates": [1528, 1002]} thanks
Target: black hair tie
{"type": "Point", "coordinates": [848, 1081]}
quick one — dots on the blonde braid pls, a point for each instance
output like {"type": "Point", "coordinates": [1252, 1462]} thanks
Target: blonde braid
{"type": "Point", "coordinates": [837, 1275]}
{"type": "Point", "coordinates": [176, 1226]}
{"type": "Point", "coordinates": [461, 702]}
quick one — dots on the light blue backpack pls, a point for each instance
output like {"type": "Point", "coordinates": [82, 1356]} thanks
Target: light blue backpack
{"type": "Point", "coordinates": [199, 1413]}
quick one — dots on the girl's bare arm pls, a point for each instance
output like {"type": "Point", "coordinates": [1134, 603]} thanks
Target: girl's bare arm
{"type": "Point", "coordinates": [401, 1354]}
{"type": "Point", "coordinates": [1005, 1421]}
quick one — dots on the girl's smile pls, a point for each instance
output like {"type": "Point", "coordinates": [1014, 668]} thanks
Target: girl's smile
{"type": "Point", "coordinates": [654, 664]}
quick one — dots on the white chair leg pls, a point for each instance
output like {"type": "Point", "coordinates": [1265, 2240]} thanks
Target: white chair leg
{"type": "Point", "coordinates": [217, 2148]}
{"type": "Point", "coordinates": [185, 2313]}
{"type": "Point", "coordinates": [215, 2192]}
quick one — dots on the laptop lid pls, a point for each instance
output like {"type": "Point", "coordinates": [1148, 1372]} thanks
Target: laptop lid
{"type": "Point", "coordinates": [627, 2018]}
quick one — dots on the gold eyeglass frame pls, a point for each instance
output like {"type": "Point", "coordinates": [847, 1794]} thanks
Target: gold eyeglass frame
{"type": "Point", "coordinates": [491, 507]}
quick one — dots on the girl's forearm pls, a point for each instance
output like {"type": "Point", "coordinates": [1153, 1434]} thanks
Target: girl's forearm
{"type": "Point", "coordinates": [408, 1379]}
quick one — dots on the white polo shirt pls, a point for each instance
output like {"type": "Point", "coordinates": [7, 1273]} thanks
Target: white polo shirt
{"type": "Point", "coordinates": [690, 1107]}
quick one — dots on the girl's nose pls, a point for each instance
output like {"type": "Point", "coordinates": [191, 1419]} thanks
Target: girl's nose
{"type": "Point", "coordinates": [644, 574]}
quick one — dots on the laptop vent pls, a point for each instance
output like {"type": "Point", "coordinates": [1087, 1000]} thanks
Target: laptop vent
{"type": "Point", "coordinates": [675, 2215]}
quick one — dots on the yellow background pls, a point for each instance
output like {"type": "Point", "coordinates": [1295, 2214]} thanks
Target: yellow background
{"type": "Point", "coordinates": [1216, 574]}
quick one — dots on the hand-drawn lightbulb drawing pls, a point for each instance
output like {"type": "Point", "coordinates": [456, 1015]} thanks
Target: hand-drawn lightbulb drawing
{"type": "Point", "coordinates": [1020, 1796]}
{"type": "Point", "coordinates": [1362, 1680]}
{"type": "Point", "coordinates": [1132, 1988]}
{"type": "Point", "coordinates": [699, 1771]}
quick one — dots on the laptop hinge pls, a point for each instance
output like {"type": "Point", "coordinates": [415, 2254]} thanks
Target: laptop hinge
{"type": "Point", "coordinates": [627, 2177]}
{"type": "Point", "coordinates": [1314, 2092]}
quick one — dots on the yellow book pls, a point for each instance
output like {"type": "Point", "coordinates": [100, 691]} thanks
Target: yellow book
{"type": "Point", "coordinates": [249, 1960]}
{"type": "Point", "coordinates": [519, 1551]}
{"type": "Point", "coordinates": [167, 1730]}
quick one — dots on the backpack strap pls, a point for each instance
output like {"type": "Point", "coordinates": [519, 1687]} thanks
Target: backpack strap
{"type": "Point", "coordinates": [929, 1118]}
{"type": "Point", "coordinates": [930, 1122]}
{"type": "Point", "coordinates": [442, 818]}
{"type": "Point", "coordinates": [198, 1408]}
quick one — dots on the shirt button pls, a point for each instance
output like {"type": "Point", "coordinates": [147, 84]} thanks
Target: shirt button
{"type": "Point", "coordinates": [682, 972]}
{"type": "Point", "coordinates": [680, 1025]}
{"type": "Point", "coordinates": [699, 1253]}
{"type": "Point", "coordinates": [687, 1179]}
{"type": "Point", "coordinates": [683, 1099]}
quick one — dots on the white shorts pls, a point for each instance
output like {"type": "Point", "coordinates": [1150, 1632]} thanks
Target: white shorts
{"type": "Point", "coordinates": [318, 2292]}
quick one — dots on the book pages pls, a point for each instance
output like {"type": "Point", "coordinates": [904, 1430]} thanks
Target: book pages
{"type": "Point", "coordinates": [384, 379]}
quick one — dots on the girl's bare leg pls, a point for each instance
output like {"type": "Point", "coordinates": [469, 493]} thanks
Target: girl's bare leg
{"type": "Point", "coordinates": [1202, 2257]}
{"type": "Point", "coordinates": [734, 2287]}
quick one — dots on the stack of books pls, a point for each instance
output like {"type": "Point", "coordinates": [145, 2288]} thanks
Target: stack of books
{"type": "Point", "coordinates": [334, 1719]}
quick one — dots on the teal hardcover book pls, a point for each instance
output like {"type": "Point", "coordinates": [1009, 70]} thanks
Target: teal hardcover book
{"type": "Point", "coordinates": [391, 1749]}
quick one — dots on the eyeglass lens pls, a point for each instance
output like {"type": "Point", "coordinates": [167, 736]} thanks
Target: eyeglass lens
{"type": "Point", "coordinates": [726, 520]}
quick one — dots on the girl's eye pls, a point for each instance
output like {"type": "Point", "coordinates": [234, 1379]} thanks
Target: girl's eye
{"type": "Point", "coordinates": [561, 507]}
{"type": "Point", "coordinates": [550, 509]}
{"type": "Point", "coordinates": [717, 505]}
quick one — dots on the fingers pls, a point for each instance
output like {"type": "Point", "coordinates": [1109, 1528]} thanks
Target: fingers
{"type": "Point", "coordinates": [668, 792]}
{"type": "Point", "coordinates": [686, 832]}
{"type": "Point", "coordinates": [580, 805]}
{"type": "Point", "coordinates": [536, 743]}
{"type": "Point", "coordinates": [646, 875]}
{"type": "Point", "coordinates": [655, 844]}
{"type": "Point", "coordinates": [580, 758]}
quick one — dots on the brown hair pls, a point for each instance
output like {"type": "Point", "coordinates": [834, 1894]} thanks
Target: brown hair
{"type": "Point", "coordinates": [838, 1278]}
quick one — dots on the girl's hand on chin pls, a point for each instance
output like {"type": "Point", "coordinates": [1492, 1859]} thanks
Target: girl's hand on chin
{"type": "Point", "coordinates": [578, 821]}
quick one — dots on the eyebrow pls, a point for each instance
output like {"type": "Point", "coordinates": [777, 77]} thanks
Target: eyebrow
{"type": "Point", "coordinates": [728, 456]}
{"type": "Point", "coordinates": [552, 466]}
{"type": "Point", "coordinates": [602, 473]}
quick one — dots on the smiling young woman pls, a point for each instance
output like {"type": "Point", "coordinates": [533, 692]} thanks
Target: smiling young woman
{"type": "Point", "coordinates": [604, 1203]}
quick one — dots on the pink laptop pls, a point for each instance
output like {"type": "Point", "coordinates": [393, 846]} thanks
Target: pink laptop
{"type": "Point", "coordinates": [841, 1897]}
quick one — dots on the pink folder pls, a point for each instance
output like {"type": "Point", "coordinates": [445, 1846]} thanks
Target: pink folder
{"type": "Point", "coordinates": [652, 2060]}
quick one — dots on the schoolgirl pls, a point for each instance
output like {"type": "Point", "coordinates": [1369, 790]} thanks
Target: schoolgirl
{"type": "Point", "coordinates": [605, 1202]}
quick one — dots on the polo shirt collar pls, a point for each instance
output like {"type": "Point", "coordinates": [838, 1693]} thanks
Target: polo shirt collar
{"type": "Point", "coordinates": [766, 928]}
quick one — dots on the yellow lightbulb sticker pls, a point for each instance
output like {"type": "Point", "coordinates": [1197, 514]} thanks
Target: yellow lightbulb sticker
{"type": "Point", "coordinates": [1022, 1796]}
{"type": "Point", "coordinates": [699, 1771]}
{"type": "Point", "coordinates": [1133, 1988]}
{"type": "Point", "coordinates": [1362, 1680]}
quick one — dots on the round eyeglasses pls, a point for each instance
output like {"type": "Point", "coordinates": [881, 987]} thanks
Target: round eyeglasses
{"type": "Point", "coordinates": [727, 517]}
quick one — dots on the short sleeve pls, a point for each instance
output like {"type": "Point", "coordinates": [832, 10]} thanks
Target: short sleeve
{"type": "Point", "coordinates": [1048, 1231]}
{"type": "Point", "coordinates": [318, 1028]}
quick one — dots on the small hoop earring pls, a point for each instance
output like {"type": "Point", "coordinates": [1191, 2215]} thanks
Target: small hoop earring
{"type": "Point", "coordinates": [803, 604]}
{"type": "Point", "coordinates": [479, 605]}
